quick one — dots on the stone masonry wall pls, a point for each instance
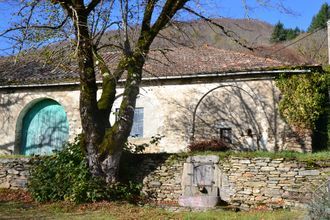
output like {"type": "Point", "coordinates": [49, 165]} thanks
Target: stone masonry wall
{"type": "Point", "coordinates": [167, 111]}
{"type": "Point", "coordinates": [244, 183]}
{"type": "Point", "coordinates": [274, 183]}
{"type": "Point", "coordinates": [14, 173]}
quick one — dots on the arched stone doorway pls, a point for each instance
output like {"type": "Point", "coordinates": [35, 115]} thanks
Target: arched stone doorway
{"type": "Point", "coordinates": [43, 127]}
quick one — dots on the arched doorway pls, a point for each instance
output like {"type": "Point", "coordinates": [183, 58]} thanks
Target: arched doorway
{"type": "Point", "coordinates": [45, 128]}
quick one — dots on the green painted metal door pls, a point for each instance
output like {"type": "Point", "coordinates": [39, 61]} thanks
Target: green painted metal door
{"type": "Point", "coordinates": [45, 128]}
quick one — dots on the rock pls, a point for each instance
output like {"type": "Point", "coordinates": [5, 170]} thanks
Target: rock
{"type": "Point", "coordinates": [245, 161]}
{"type": "Point", "coordinates": [155, 184]}
{"type": "Point", "coordinates": [203, 159]}
{"type": "Point", "coordinates": [5, 185]}
{"type": "Point", "coordinates": [267, 168]}
{"type": "Point", "coordinates": [19, 183]}
{"type": "Point", "coordinates": [13, 171]}
{"type": "Point", "coordinates": [309, 173]}
{"type": "Point", "coordinates": [256, 184]}
{"type": "Point", "coordinates": [273, 192]}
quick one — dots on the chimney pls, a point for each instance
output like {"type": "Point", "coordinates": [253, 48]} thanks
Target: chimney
{"type": "Point", "coordinates": [328, 24]}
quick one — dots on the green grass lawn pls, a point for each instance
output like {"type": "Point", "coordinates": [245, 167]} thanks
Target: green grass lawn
{"type": "Point", "coordinates": [115, 210]}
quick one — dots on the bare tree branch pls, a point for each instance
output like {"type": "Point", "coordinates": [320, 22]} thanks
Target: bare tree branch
{"type": "Point", "coordinates": [223, 29]}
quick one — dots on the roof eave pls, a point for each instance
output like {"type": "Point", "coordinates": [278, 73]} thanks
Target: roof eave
{"type": "Point", "coordinates": [260, 73]}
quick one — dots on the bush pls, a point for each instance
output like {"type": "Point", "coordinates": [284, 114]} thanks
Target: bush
{"type": "Point", "coordinates": [126, 192]}
{"type": "Point", "coordinates": [64, 176]}
{"type": "Point", "coordinates": [209, 145]}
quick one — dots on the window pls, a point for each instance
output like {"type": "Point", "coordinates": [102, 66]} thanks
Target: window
{"type": "Point", "coordinates": [137, 127]}
{"type": "Point", "coordinates": [225, 134]}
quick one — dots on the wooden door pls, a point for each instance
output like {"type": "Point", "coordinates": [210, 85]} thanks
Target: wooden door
{"type": "Point", "coordinates": [45, 128]}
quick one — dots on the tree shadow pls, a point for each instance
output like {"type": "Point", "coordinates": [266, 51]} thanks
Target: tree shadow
{"type": "Point", "coordinates": [45, 128]}
{"type": "Point", "coordinates": [7, 101]}
{"type": "Point", "coordinates": [249, 110]}
{"type": "Point", "coordinates": [48, 140]}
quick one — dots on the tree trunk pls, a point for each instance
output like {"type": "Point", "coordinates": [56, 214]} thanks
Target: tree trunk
{"type": "Point", "coordinates": [104, 143]}
{"type": "Point", "coordinates": [93, 130]}
{"type": "Point", "coordinates": [115, 138]}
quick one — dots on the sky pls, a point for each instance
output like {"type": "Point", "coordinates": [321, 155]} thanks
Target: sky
{"type": "Point", "coordinates": [300, 11]}
{"type": "Point", "coordinates": [299, 14]}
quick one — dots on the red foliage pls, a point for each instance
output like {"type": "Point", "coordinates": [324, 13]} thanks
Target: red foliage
{"type": "Point", "coordinates": [209, 145]}
{"type": "Point", "coordinates": [15, 195]}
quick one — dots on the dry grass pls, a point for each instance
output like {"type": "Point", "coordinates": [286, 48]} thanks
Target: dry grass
{"type": "Point", "coordinates": [20, 206]}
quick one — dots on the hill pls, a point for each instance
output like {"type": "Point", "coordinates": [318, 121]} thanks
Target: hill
{"type": "Point", "coordinates": [255, 34]}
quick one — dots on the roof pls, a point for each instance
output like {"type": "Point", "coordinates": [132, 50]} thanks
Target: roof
{"type": "Point", "coordinates": [172, 62]}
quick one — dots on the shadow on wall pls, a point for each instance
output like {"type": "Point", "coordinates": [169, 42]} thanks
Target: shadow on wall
{"type": "Point", "coordinates": [243, 114]}
{"type": "Point", "coordinates": [46, 139]}
{"type": "Point", "coordinates": [135, 167]}
{"type": "Point", "coordinates": [7, 101]}
{"type": "Point", "coordinates": [41, 128]}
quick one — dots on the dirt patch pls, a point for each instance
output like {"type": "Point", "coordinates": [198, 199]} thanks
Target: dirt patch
{"type": "Point", "coordinates": [15, 195]}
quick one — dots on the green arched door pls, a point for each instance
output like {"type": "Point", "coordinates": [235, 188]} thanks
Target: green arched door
{"type": "Point", "coordinates": [45, 128]}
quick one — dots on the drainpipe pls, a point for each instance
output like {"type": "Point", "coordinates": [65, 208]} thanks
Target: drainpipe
{"type": "Point", "coordinates": [328, 24]}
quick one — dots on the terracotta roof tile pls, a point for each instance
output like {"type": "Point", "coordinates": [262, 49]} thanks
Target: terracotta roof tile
{"type": "Point", "coordinates": [176, 61]}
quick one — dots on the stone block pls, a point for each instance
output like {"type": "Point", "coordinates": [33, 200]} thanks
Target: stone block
{"type": "Point", "coordinates": [198, 201]}
{"type": "Point", "coordinates": [309, 173]}
{"type": "Point", "coordinates": [19, 183]}
{"type": "Point", "coordinates": [246, 191]}
{"type": "Point", "coordinates": [256, 184]}
{"type": "Point", "coordinates": [273, 192]}
{"type": "Point", "coordinates": [13, 171]}
{"type": "Point", "coordinates": [203, 159]}
{"type": "Point", "coordinates": [155, 184]}
{"type": "Point", "coordinates": [260, 198]}
{"type": "Point", "coordinates": [5, 185]}
{"type": "Point", "coordinates": [284, 169]}
{"type": "Point", "coordinates": [187, 175]}
{"type": "Point", "coordinates": [248, 174]}
{"type": "Point", "coordinates": [273, 186]}
{"type": "Point", "coordinates": [267, 168]}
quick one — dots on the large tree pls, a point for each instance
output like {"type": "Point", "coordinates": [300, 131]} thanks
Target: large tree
{"type": "Point", "coordinates": [89, 20]}
{"type": "Point", "coordinates": [83, 29]}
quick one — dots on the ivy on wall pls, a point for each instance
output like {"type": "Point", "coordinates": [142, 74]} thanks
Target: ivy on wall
{"type": "Point", "coordinates": [303, 97]}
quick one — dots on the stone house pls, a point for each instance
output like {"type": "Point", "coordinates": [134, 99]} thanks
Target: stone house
{"type": "Point", "coordinates": [202, 92]}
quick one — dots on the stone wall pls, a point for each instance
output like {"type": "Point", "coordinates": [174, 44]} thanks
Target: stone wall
{"type": "Point", "coordinates": [14, 173]}
{"type": "Point", "coordinates": [240, 105]}
{"type": "Point", "coordinates": [274, 183]}
{"type": "Point", "coordinates": [244, 183]}
{"type": "Point", "coordinates": [16, 103]}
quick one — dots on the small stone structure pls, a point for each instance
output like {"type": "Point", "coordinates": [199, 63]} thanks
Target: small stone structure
{"type": "Point", "coordinates": [245, 183]}
{"type": "Point", "coordinates": [200, 182]}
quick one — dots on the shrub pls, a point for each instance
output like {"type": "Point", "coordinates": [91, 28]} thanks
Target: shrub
{"type": "Point", "coordinates": [303, 98]}
{"type": "Point", "coordinates": [209, 145]}
{"type": "Point", "coordinates": [126, 192]}
{"type": "Point", "coordinates": [64, 176]}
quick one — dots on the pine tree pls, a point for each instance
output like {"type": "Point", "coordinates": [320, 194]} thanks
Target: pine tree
{"type": "Point", "coordinates": [321, 18]}
{"type": "Point", "coordinates": [279, 33]}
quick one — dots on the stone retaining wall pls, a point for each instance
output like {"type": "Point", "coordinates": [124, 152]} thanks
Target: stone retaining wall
{"type": "Point", "coordinates": [14, 173]}
{"type": "Point", "coordinates": [245, 183]}
{"type": "Point", "coordinates": [274, 183]}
